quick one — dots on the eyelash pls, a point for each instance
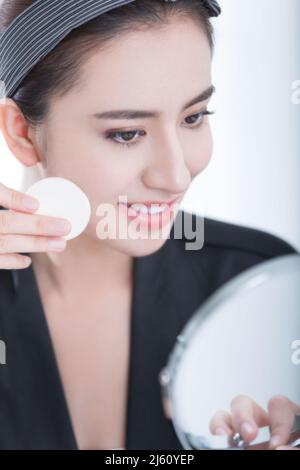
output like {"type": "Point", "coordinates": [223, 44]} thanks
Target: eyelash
{"type": "Point", "coordinates": [111, 134]}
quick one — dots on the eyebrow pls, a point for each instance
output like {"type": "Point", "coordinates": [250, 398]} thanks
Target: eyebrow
{"type": "Point", "coordinates": [137, 114]}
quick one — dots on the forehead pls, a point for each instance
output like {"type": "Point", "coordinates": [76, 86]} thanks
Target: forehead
{"type": "Point", "coordinates": [164, 60]}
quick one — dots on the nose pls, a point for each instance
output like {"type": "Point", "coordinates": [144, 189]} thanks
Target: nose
{"type": "Point", "coordinates": [168, 170]}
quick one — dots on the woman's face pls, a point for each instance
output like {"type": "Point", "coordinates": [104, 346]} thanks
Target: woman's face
{"type": "Point", "coordinates": [154, 72]}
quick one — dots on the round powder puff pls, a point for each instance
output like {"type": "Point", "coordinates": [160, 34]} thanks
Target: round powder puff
{"type": "Point", "coordinates": [60, 197]}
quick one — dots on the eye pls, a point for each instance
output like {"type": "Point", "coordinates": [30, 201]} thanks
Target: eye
{"type": "Point", "coordinates": [125, 138]}
{"type": "Point", "coordinates": [198, 118]}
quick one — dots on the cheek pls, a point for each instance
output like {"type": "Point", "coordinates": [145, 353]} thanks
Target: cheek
{"type": "Point", "coordinates": [104, 182]}
{"type": "Point", "coordinates": [200, 152]}
{"type": "Point", "coordinates": [108, 182]}
{"type": "Point", "coordinates": [101, 173]}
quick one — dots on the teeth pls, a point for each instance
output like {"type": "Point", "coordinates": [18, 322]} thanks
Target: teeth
{"type": "Point", "coordinates": [155, 209]}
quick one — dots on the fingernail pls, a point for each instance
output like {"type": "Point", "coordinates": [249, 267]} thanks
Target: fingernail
{"type": "Point", "coordinates": [27, 261]}
{"type": "Point", "coordinates": [29, 203]}
{"type": "Point", "coordinates": [283, 448]}
{"type": "Point", "coordinates": [247, 428]}
{"type": "Point", "coordinates": [220, 431]}
{"type": "Point", "coordinates": [275, 440]}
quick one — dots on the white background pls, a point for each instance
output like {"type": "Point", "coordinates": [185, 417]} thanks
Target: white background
{"type": "Point", "coordinates": [253, 178]}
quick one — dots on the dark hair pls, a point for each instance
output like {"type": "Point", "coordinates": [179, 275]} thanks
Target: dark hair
{"type": "Point", "coordinates": [59, 71]}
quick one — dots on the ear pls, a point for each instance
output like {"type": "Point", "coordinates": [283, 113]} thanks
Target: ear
{"type": "Point", "coordinates": [17, 133]}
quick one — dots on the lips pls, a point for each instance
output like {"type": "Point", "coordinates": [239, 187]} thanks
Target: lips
{"type": "Point", "coordinates": [152, 203]}
{"type": "Point", "coordinates": [150, 213]}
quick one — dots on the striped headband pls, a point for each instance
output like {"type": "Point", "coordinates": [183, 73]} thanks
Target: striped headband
{"type": "Point", "coordinates": [41, 26]}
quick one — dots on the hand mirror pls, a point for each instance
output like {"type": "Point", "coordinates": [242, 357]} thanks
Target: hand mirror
{"type": "Point", "coordinates": [243, 340]}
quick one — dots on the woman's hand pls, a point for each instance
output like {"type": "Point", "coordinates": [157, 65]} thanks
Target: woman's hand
{"type": "Point", "coordinates": [247, 417]}
{"type": "Point", "coordinates": [24, 232]}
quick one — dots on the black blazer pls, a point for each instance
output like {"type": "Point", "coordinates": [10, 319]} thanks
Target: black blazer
{"type": "Point", "coordinates": [169, 285]}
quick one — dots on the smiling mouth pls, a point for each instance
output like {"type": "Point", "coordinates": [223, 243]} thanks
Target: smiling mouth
{"type": "Point", "coordinates": [150, 207]}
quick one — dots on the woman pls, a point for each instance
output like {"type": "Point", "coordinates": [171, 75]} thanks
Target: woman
{"type": "Point", "coordinates": [118, 105]}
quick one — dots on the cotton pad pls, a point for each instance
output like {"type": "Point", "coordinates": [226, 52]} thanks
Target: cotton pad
{"type": "Point", "coordinates": [60, 197]}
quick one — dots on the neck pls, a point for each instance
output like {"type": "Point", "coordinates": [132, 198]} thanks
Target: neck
{"type": "Point", "coordinates": [84, 266]}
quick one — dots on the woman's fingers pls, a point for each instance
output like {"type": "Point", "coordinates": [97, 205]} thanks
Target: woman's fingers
{"type": "Point", "coordinates": [14, 261]}
{"type": "Point", "coordinates": [221, 423]}
{"type": "Point", "coordinates": [27, 244]}
{"type": "Point", "coordinates": [12, 222]}
{"type": "Point", "coordinates": [21, 231]}
{"type": "Point", "coordinates": [247, 417]}
{"type": "Point", "coordinates": [282, 413]}
{"type": "Point", "coordinates": [12, 245]}
{"type": "Point", "coordinates": [16, 200]}
{"type": "Point", "coordinates": [25, 233]}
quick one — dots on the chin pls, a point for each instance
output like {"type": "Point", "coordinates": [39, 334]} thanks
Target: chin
{"type": "Point", "coordinates": [137, 247]}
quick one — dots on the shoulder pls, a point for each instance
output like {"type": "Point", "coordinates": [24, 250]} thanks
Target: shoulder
{"type": "Point", "coordinates": [232, 236]}
{"type": "Point", "coordinates": [227, 236]}
{"type": "Point", "coordinates": [226, 248]}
